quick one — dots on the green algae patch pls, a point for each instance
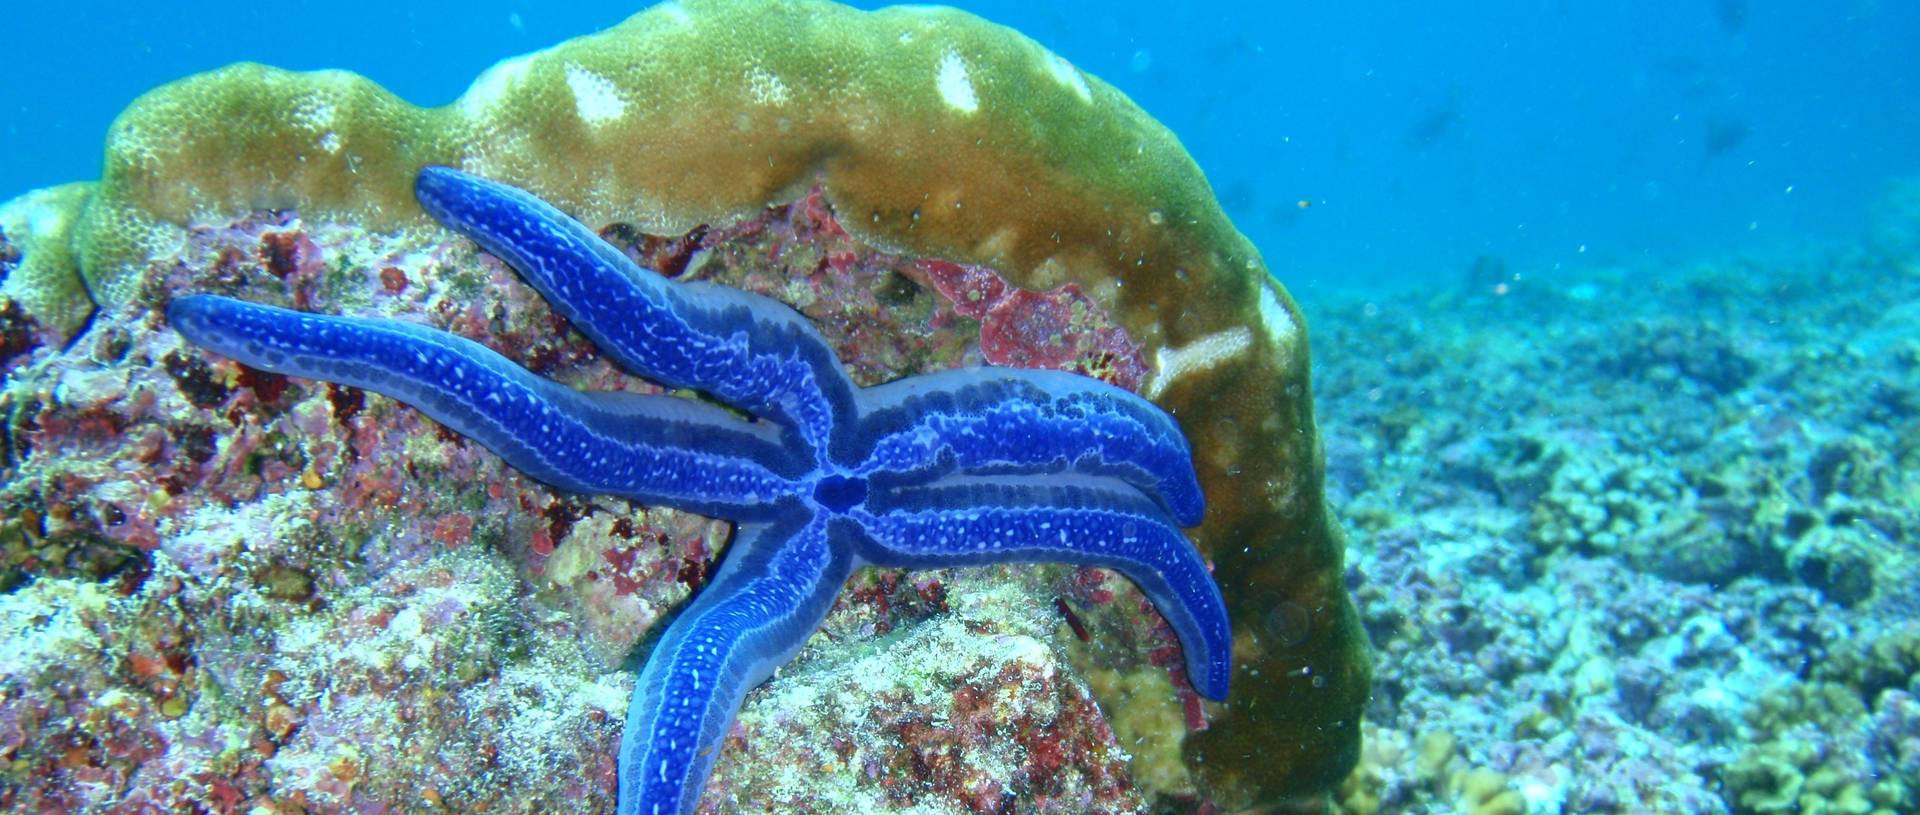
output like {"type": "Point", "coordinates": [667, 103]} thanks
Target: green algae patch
{"type": "Point", "coordinates": [932, 133]}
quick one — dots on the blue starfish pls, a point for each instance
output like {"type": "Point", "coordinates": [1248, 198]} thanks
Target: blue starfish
{"type": "Point", "coordinates": [960, 468]}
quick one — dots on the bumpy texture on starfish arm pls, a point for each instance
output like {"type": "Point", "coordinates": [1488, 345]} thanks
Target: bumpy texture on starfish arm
{"type": "Point", "coordinates": [654, 449]}
{"type": "Point", "coordinates": [960, 468]}
{"type": "Point", "coordinates": [1063, 519]}
{"type": "Point", "coordinates": [1009, 420]}
{"type": "Point", "coordinates": [761, 357]}
{"type": "Point", "coordinates": [745, 350]}
{"type": "Point", "coordinates": [753, 616]}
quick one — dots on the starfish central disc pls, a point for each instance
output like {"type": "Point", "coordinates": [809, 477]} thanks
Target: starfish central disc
{"type": "Point", "coordinates": [839, 493]}
{"type": "Point", "coordinates": [958, 468]}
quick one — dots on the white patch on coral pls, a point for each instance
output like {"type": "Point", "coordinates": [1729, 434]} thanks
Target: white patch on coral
{"type": "Point", "coordinates": [595, 97]}
{"type": "Point", "coordinates": [315, 113]}
{"type": "Point", "coordinates": [50, 622]}
{"type": "Point", "coordinates": [1171, 364]}
{"type": "Point", "coordinates": [956, 88]}
{"type": "Point", "coordinates": [1274, 318]}
{"type": "Point", "coordinates": [675, 12]}
{"type": "Point", "coordinates": [1063, 72]}
{"type": "Point", "coordinates": [835, 692]}
{"type": "Point", "coordinates": [408, 626]}
{"type": "Point", "coordinates": [493, 84]}
{"type": "Point", "coordinates": [35, 213]}
{"type": "Point", "coordinates": [205, 542]}
{"type": "Point", "coordinates": [560, 693]}
{"type": "Point", "coordinates": [765, 88]}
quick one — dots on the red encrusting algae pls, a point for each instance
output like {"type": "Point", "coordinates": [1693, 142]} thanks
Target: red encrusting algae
{"type": "Point", "coordinates": [392, 564]}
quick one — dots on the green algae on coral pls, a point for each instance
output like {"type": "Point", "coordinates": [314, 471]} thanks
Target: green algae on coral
{"type": "Point", "coordinates": [932, 133]}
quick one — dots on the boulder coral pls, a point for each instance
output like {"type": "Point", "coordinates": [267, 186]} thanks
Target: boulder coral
{"type": "Point", "coordinates": [41, 300]}
{"type": "Point", "coordinates": [932, 134]}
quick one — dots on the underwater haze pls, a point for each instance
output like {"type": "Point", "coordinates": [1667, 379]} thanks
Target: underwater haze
{"type": "Point", "coordinates": [1614, 312]}
{"type": "Point", "coordinates": [1420, 136]}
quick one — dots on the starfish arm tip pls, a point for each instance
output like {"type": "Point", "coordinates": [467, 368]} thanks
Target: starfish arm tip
{"type": "Point", "coordinates": [1088, 522]}
{"type": "Point", "coordinates": [777, 583]}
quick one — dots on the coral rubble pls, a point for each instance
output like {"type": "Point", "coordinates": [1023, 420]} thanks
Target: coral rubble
{"type": "Point", "coordinates": [1637, 540]}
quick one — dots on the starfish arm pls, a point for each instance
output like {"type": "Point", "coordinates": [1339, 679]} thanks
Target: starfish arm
{"type": "Point", "coordinates": [769, 595]}
{"type": "Point", "coordinates": [963, 521]}
{"type": "Point", "coordinates": [748, 351]}
{"type": "Point", "coordinates": [656, 449]}
{"type": "Point", "coordinates": [998, 420]}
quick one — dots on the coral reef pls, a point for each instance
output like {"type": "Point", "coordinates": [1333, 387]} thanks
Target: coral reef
{"type": "Point", "coordinates": [969, 152]}
{"type": "Point", "coordinates": [184, 512]}
{"type": "Point", "coordinates": [404, 579]}
{"type": "Point", "coordinates": [1620, 562]}
{"type": "Point", "coordinates": [947, 469]}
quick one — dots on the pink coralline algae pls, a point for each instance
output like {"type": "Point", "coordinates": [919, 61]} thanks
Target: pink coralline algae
{"type": "Point", "coordinates": [872, 305]}
{"type": "Point", "coordinates": [19, 332]}
{"type": "Point", "coordinates": [966, 711]}
{"type": "Point", "coordinates": [230, 591]}
{"type": "Point", "coordinates": [1061, 328]}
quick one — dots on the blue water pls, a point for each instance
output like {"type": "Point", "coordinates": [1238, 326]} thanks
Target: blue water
{"type": "Point", "coordinates": [1422, 134]}
{"type": "Point", "coordinates": [1612, 534]}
